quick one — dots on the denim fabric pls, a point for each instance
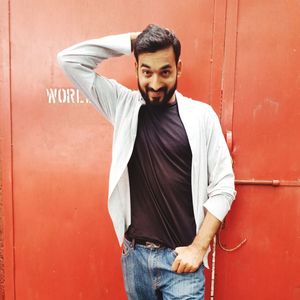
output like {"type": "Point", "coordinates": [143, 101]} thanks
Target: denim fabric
{"type": "Point", "coordinates": [148, 275]}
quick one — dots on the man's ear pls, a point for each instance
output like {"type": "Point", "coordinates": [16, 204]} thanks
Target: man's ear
{"type": "Point", "coordinates": [179, 68]}
{"type": "Point", "coordinates": [136, 65]}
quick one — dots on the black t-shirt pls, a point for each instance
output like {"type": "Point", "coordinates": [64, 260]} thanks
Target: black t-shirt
{"type": "Point", "coordinates": [160, 179]}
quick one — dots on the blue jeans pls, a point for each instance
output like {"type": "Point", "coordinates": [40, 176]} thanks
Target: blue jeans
{"type": "Point", "coordinates": [148, 275]}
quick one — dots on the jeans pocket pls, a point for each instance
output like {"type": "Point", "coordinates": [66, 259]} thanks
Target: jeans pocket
{"type": "Point", "coordinates": [174, 253]}
{"type": "Point", "coordinates": [171, 254]}
{"type": "Point", "coordinates": [127, 248]}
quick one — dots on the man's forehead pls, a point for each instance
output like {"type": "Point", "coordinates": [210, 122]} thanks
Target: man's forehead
{"type": "Point", "coordinates": [161, 58]}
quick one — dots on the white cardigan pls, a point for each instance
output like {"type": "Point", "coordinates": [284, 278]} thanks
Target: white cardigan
{"type": "Point", "coordinates": [212, 175]}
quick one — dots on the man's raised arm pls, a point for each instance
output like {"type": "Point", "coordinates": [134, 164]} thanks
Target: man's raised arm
{"type": "Point", "coordinates": [80, 60]}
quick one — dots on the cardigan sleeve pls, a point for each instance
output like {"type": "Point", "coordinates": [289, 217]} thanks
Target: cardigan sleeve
{"type": "Point", "coordinates": [79, 62]}
{"type": "Point", "coordinates": [221, 191]}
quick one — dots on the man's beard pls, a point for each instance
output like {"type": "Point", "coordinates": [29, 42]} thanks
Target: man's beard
{"type": "Point", "coordinates": [157, 102]}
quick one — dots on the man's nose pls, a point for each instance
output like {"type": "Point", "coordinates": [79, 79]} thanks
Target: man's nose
{"type": "Point", "coordinates": [155, 83]}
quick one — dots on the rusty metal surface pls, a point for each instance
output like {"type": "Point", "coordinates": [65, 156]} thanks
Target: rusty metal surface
{"type": "Point", "coordinates": [2, 276]}
{"type": "Point", "coordinates": [6, 153]}
{"type": "Point", "coordinates": [65, 247]}
{"type": "Point", "coordinates": [56, 148]}
{"type": "Point", "coordinates": [265, 130]}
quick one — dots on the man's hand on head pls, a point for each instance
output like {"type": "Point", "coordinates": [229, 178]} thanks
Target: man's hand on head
{"type": "Point", "coordinates": [133, 36]}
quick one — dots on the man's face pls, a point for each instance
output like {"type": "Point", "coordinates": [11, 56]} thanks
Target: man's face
{"type": "Point", "coordinates": [157, 74]}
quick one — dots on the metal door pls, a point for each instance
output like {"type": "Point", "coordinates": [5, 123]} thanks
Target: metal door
{"type": "Point", "coordinates": [242, 57]}
{"type": "Point", "coordinates": [59, 240]}
{"type": "Point", "coordinates": [261, 108]}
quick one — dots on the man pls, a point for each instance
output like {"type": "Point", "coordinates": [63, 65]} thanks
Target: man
{"type": "Point", "coordinates": [171, 181]}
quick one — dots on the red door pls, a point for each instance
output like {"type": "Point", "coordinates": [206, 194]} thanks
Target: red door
{"type": "Point", "coordinates": [261, 100]}
{"type": "Point", "coordinates": [59, 241]}
{"type": "Point", "coordinates": [240, 56]}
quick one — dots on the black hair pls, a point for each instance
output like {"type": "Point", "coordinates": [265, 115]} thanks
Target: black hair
{"type": "Point", "coordinates": [154, 38]}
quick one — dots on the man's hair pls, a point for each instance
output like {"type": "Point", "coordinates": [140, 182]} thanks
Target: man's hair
{"type": "Point", "coordinates": [155, 38]}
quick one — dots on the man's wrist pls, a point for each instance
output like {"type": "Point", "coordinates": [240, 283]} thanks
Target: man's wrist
{"type": "Point", "coordinates": [133, 37]}
{"type": "Point", "coordinates": [199, 247]}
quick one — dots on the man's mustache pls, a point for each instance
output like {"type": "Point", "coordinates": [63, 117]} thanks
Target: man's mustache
{"type": "Point", "coordinates": [162, 89]}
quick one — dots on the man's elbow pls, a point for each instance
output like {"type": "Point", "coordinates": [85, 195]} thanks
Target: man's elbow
{"type": "Point", "coordinates": [60, 58]}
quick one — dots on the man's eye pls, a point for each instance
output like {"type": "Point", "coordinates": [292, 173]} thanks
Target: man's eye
{"type": "Point", "coordinates": [166, 73]}
{"type": "Point", "coordinates": [146, 72]}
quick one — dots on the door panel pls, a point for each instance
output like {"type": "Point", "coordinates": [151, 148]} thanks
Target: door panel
{"type": "Point", "coordinates": [65, 246]}
{"type": "Point", "coordinates": [242, 57]}
{"type": "Point", "coordinates": [266, 146]}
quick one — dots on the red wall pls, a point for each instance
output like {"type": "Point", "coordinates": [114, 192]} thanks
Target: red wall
{"type": "Point", "coordinates": [240, 56]}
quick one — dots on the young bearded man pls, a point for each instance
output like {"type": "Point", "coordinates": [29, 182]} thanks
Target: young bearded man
{"type": "Point", "coordinates": [171, 180]}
